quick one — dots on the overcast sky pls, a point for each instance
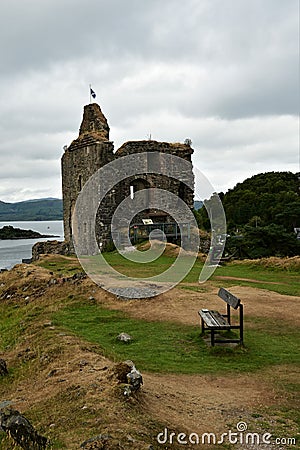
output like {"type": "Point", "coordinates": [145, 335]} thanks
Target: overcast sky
{"type": "Point", "coordinates": [223, 73]}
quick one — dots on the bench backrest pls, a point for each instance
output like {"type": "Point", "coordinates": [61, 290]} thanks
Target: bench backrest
{"type": "Point", "coordinates": [229, 298]}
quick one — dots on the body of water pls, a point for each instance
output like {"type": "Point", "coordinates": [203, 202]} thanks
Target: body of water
{"type": "Point", "coordinates": [12, 251]}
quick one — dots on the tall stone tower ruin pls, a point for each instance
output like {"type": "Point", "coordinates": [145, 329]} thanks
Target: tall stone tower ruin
{"type": "Point", "coordinates": [92, 150]}
{"type": "Point", "coordinates": [86, 154]}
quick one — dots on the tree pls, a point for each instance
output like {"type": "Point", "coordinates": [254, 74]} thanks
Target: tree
{"type": "Point", "coordinates": [259, 242]}
{"type": "Point", "coordinates": [272, 196]}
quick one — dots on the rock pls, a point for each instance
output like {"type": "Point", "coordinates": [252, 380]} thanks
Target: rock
{"type": "Point", "coordinates": [20, 430]}
{"type": "Point", "coordinates": [96, 442]}
{"type": "Point", "coordinates": [78, 276]}
{"type": "Point", "coordinates": [121, 370]}
{"type": "Point", "coordinates": [26, 260]}
{"type": "Point", "coordinates": [124, 337]}
{"type": "Point", "coordinates": [3, 367]}
{"type": "Point", "coordinates": [5, 403]}
{"type": "Point", "coordinates": [135, 380]}
{"type": "Point", "coordinates": [127, 374]}
{"type": "Point", "coordinates": [83, 363]}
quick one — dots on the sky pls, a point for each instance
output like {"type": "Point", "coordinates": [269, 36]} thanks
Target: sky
{"type": "Point", "coordinates": [223, 73]}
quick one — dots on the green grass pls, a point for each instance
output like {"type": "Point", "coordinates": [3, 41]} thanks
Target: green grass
{"type": "Point", "coordinates": [60, 266]}
{"type": "Point", "coordinates": [15, 320]}
{"type": "Point", "coordinates": [11, 326]}
{"type": "Point", "coordinates": [176, 348]}
{"type": "Point", "coordinates": [273, 279]}
{"type": "Point", "coordinates": [277, 280]}
{"type": "Point", "coordinates": [128, 267]}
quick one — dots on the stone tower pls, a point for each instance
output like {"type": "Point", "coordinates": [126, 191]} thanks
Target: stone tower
{"type": "Point", "coordinates": [86, 154]}
{"type": "Point", "coordinates": [92, 150]}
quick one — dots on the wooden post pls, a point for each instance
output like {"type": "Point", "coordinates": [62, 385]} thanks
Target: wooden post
{"type": "Point", "coordinates": [241, 324]}
{"type": "Point", "coordinates": [228, 313]}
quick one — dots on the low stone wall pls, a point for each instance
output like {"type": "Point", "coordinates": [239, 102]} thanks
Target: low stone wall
{"type": "Point", "coordinates": [50, 247]}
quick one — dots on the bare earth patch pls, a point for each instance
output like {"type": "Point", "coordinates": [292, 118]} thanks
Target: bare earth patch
{"type": "Point", "coordinates": [205, 403]}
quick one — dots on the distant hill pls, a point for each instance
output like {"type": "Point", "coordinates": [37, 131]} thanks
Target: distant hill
{"type": "Point", "coordinates": [30, 210]}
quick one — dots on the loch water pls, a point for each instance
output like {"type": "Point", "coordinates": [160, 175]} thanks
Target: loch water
{"type": "Point", "coordinates": [12, 251]}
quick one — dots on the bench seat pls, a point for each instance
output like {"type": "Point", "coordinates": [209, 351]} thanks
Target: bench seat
{"type": "Point", "coordinates": [214, 319]}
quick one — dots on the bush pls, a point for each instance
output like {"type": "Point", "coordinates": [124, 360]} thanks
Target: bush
{"type": "Point", "coordinates": [262, 242]}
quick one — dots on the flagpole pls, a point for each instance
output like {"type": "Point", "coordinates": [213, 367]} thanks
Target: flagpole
{"type": "Point", "coordinates": [90, 93]}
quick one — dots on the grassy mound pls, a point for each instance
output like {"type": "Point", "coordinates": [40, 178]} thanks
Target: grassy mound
{"type": "Point", "coordinates": [58, 334]}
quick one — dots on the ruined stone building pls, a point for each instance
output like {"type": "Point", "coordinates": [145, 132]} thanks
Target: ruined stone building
{"type": "Point", "coordinates": [92, 150]}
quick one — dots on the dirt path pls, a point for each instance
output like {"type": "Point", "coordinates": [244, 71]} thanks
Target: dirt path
{"type": "Point", "coordinates": [200, 404]}
{"type": "Point", "coordinates": [182, 305]}
{"type": "Point", "coordinates": [250, 280]}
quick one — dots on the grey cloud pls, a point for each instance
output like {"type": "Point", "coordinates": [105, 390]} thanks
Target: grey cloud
{"type": "Point", "coordinates": [223, 73]}
{"type": "Point", "coordinates": [42, 33]}
{"type": "Point", "coordinates": [247, 49]}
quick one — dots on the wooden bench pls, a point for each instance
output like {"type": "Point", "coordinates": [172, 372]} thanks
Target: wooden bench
{"type": "Point", "coordinates": [214, 321]}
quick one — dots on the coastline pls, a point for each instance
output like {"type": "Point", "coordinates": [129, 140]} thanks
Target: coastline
{"type": "Point", "coordinates": [13, 251]}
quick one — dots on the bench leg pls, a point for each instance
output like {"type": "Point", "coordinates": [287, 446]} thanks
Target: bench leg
{"type": "Point", "coordinates": [241, 336]}
{"type": "Point", "coordinates": [202, 326]}
{"type": "Point", "coordinates": [241, 325]}
{"type": "Point", "coordinates": [212, 337]}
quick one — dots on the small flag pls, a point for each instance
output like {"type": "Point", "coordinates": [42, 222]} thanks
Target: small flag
{"type": "Point", "coordinates": [93, 93]}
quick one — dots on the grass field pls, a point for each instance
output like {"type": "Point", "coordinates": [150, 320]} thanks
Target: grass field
{"type": "Point", "coordinates": [175, 348]}
{"type": "Point", "coordinates": [54, 336]}
{"type": "Point", "coordinates": [271, 278]}
{"type": "Point", "coordinates": [171, 347]}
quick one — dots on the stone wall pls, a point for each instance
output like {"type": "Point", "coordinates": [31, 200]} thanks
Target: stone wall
{"type": "Point", "coordinates": [160, 181]}
{"type": "Point", "coordinates": [50, 247]}
{"type": "Point", "coordinates": [92, 150]}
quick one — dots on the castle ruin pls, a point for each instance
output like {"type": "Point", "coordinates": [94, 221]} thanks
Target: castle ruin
{"type": "Point", "coordinates": [93, 150]}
